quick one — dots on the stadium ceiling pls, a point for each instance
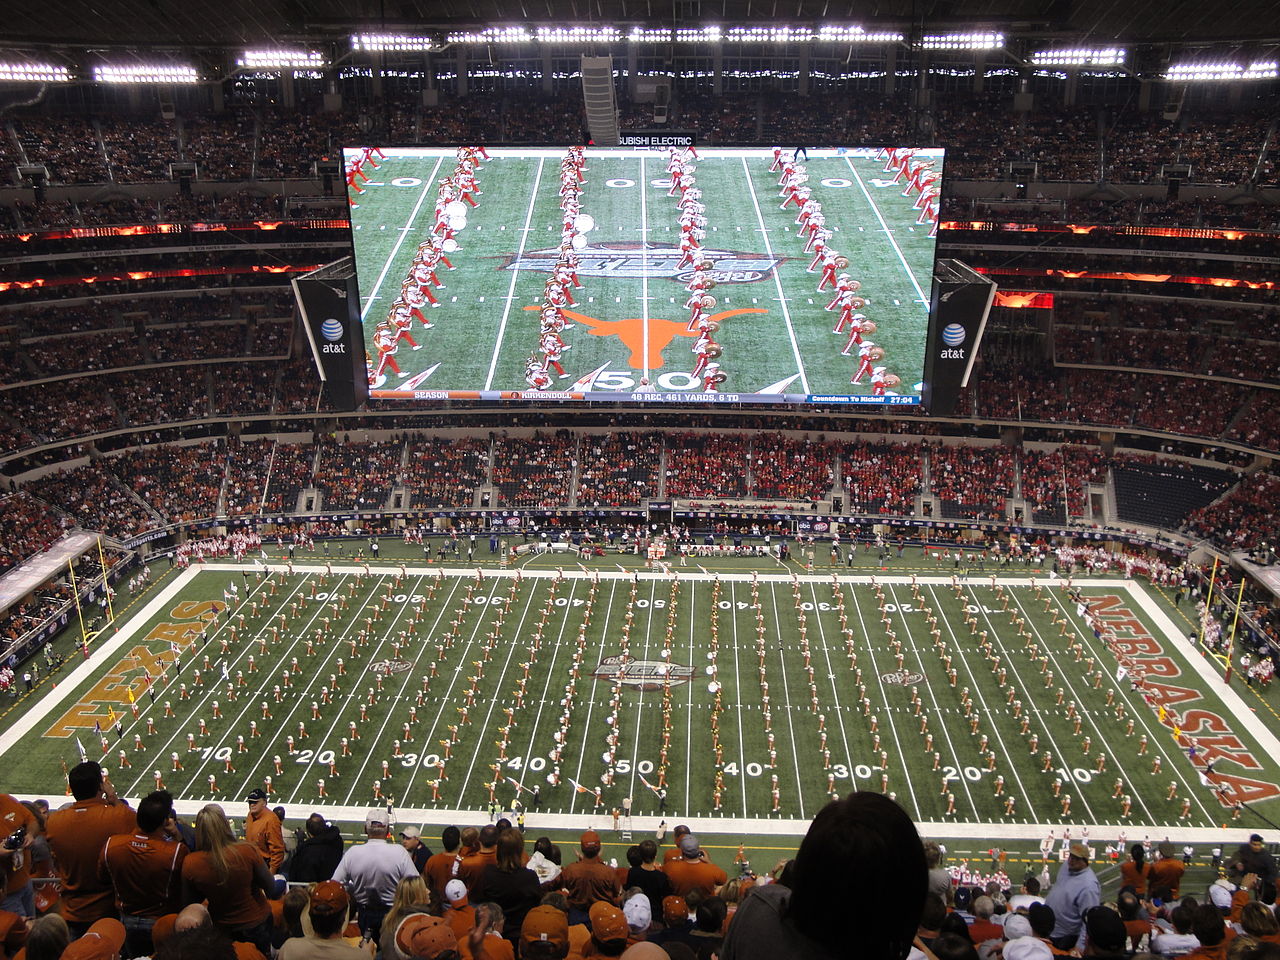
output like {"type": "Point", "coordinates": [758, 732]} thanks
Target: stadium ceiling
{"type": "Point", "coordinates": [255, 22]}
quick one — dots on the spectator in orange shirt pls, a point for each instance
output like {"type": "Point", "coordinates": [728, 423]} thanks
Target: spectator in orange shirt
{"type": "Point", "coordinates": [15, 856]}
{"type": "Point", "coordinates": [232, 876]}
{"type": "Point", "coordinates": [674, 853]}
{"type": "Point", "coordinates": [262, 829]}
{"type": "Point", "coordinates": [693, 871]}
{"type": "Point", "coordinates": [443, 867]}
{"type": "Point", "coordinates": [589, 879]}
{"type": "Point", "coordinates": [144, 868]}
{"type": "Point", "coordinates": [1135, 871]}
{"type": "Point", "coordinates": [472, 866]}
{"type": "Point", "coordinates": [1165, 877]}
{"type": "Point", "coordinates": [77, 835]}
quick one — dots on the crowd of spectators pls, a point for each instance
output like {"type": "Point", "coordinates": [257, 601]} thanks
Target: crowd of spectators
{"type": "Point", "coordinates": [140, 150]}
{"type": "Point", "coordinates": [1055, 483]}
{"type": "Point", "coordinates": [194, 341]}
{"type": "Point", "coordinates": [95, 497]}
{"type": "Point", "coordinates": [706, 465]}
{"type": "Point", "coordinates": [247, 464]}
{"type": "Point", "coordinates": [55, 355]}
{"type": "Point", "coordinates": [243, 389]}
{"type": "Point", "coordinates": [27, 526]}
{"type": "Point", "coordinates": [181, 482]}
{"type": "Point", "coordinates": [618, 469]}
{"type": "Point", "coordinates": [174, 395]}
{"type": "Point", "coordinates": [972, 482]}
{"type": "Point", "coordinates": [216, 144]}
{"type": "Point", "coordinates": [290, 467]}
{"type": "Point", "coordinates": [790, 468]}
{"type": "Point", "coordinates": [445, 471]}
{"type": "Point", "coordinates": [881, 476]}
{"type": "Point", "coordinates": [357, 475]}
{"type": "Point", "coordinates": [534, 471]}
{"type": "Point", "coordinates": [1246, 518]}
{"type": "Point", "coordinates": [67, 146]}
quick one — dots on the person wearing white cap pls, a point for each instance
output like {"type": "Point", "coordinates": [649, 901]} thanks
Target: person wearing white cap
{"type": "Point", "coordinates": [419, 852]}
{"type": "Point", "coordinates": [372, 870]}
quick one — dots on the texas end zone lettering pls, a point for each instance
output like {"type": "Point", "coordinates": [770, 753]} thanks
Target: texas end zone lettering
{"type": "Point", "coordinates": [111, 693]}
{"type": "Point", "coordinates": [1215, 743]}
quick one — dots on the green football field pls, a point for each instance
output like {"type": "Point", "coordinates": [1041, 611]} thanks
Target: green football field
{"type": "Point", "coordinates": [501, 645]}
{"type": "Point", "coordinates": [629, 323]}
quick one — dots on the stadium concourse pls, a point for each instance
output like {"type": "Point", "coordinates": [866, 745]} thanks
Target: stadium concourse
{"type": "Point", "coordinates": [157, 397]}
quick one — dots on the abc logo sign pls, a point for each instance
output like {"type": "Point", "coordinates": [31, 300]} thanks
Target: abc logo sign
{"type": "Point", "coordinates": [953, 334]}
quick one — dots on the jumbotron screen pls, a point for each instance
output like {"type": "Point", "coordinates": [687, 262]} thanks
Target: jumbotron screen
{"type": "Point", "coordinates": [662, 274]}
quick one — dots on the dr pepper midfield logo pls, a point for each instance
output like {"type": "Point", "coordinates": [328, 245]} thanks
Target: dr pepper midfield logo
{"type": "Point", "coordinates": [642, 674]}
{"type": "Point", "coordinates": [637, 260]}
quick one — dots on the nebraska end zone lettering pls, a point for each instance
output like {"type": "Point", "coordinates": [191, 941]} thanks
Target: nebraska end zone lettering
{"type": "Point", "coordinates": [1215, 741]}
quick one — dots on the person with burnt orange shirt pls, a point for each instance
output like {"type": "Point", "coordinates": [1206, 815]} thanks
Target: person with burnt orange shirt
{"type": "Point", "coordinates": [145, 869]}
{"type": "Point", "coordinates": [232, 876]}
{"type": "Point", "coordinates": [76, 837]}
{"type": "Point", "coordinates": [18, 828]}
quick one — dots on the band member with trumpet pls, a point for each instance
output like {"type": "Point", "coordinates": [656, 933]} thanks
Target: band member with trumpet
{"type": "Point", "coordinates": [868, 356]}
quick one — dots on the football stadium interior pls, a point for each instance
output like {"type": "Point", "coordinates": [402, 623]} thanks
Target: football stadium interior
{"type": "Point", "coordinates": [429, 416]}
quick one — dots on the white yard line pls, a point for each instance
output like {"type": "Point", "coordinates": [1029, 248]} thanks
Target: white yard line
{"type": "Point", "coordinates": [788, 708]}
{"type": "Point", "coordinates": [515, 273]}
{"type": "Point", "coordinates": [777, 279]}
{"type": "Point", "coordinates": [888, 233]}
{"type": "Point", "coordinates": [403, 232]}
{"type": "Point", "coordinates": [835, 686]}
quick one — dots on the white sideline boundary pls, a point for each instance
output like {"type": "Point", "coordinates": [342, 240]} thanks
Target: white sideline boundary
{"type": "Point", "coordinates": [1241, 713]}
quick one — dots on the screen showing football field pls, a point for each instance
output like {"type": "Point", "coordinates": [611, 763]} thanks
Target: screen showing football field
{"type": "Point", "coordinates": [570, 273]}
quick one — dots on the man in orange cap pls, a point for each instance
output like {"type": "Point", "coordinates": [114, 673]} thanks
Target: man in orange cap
{"type": "Point", "coordinates": [425, 937]}
{"type": "Point", "coordinates": [327, 908]}
{"type": "Point", "coordinates": [544, 934]}
{"type": "Point", "coordinates": [102, 942]}
{"type": "Point", "coordinates": [608, 930]}
{"type": "Point", "coordinates": [589, 879]}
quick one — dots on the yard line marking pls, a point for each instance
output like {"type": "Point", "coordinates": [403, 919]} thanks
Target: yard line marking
{"type": "Point", "coordinates": [546, 693]}
{"type": "Point", "coordinates": [591, 702]}
{"type": "Point", "coordinates": [737, 679]}
{"type": "Point", "coordinates": [887, 232]}
{"type": "Point", "coordinates": [777, 278]}
{"type": "Point", "coordinates": [884, 700]}
{"type": "Point", "coordinates": [937, 709]}
{"type": "Point", "coordinates": [644, 265]}
{"type": "Point", "coordinates": [693, 681]}
{"type": "Point", "coordinates": [413, 215]}
{"type": "Point", "coordinates": [515, 273]}
{"type": "Point", "coordinates": [786, 693]}
{"type": "Point", "coordinates": [1014, 658]}
{"type": "Point", "coordinates": [937, 603]}
{"type": "Point", "coordinates": [339, 714]}
{"type": "Point", "coordinates": [835, 687]}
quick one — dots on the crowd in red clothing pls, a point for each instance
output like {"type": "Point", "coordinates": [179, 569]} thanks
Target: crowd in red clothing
{"type": "Point", "coordinates": [881, 476]}
{"type": "Point", "coordinates": [445, 471]}
{"type": "Point", "coordinates": [618, 469]}
{"type": "Point", "coordinates": [1246, 518]}
{"type": "Point", "coordinates": [27, 526]}
{"type": "Point", "coordinates": [357, 475]}
{"type": "Point", "coordinates": [534, 471]}
{"type": "Point", "coordinates": [972, 482]}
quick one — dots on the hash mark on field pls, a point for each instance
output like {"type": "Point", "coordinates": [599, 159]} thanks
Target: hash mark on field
{"type": "Point", "coordinates": [897, 303]}
{"type": "Point", "coordinates": [480, 300]}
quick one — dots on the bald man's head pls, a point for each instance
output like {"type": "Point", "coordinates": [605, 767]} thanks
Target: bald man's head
{"type": "Point", "coordinates": [196, 915]}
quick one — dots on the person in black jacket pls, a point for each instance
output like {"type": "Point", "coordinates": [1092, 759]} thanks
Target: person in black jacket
{"type": "Point", "coordinates": [318, 854]}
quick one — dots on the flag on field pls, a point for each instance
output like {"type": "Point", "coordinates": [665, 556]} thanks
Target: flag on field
{"type": "Point", "coordinates": [1177, 732]}
{"type": "Point", "coordinates": [174, 648]}
{"type": "Point", "coordinates": [647, 783]}
{"type": "Point", "coordinates": [83, 756]}
{"type": "Point", "coordinates": [131, 697]}
{"type": "Point", "coordinates": [577, 786]}
{"type": "Point", "coordinates": [1162, 714]}
{"type": "Point", "coordinates": [520, 787]}
{"type": "Point", "coordinates": [111, 716]}
{"type": "Point", "coordinates": [226, 674]}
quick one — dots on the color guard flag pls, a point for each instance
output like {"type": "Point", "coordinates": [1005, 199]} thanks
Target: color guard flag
{"type": "Point", "coordinates": [577, 786]}
{"type": "Point", "coordinates": [647, 783]}
{"type": "Point", "coordinates": [131, 698]}
{"type": "Point", "coordinates": [83, 756]}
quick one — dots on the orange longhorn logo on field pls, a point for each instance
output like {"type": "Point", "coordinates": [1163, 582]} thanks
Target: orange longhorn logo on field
{"type": "Point", "coordinates": [661, 332]}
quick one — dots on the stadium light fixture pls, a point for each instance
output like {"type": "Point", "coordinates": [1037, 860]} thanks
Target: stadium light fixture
{"type": "Point", "coordinates": [491, 35]}
{"type": "Point", "coordinates": [710, 34]}
{"type": "Point", "coordinates": [769, 34]}
{"type": "Point", "coordinates": [579, 35]}
{"type": "Point", "coordinates": [403, 42]}
{"type": "Point", "coordinates": [282, 60]}
{"type": "Point", "coordinates": [650, 35]}
{"type": "Point", "coordinates": [962, 41]}
{"type": "Point", "coordinates": [145, 73]}
{"type": "Point", "coordinates": [34, 73]}
{"type": "Point", "coordinates": [1079, 57]}
{"type": "Point", "coordinates": [1258, 70]}
{"type": "Point", "coordinates": [855, 34]}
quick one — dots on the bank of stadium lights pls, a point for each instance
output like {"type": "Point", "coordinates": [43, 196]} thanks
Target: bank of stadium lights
{"type": "Point", "coordinates": [1259, 70]}
{"type": "Point", "coordinates": [491, 35]}
{"type": "Point", "coordinates": [34, 73]}
{"type": "Point", "coordinates": [962, 41]}
{"type": "Point", "coordinates": [579, 35]}
{"type": "Point", "coordinates": [282, 60]}
{"type": "Point", "coordinates": [650, 35]}
{"type": "Point", "coordinates": [399, 42]}
{"type": "Point", "coordinates": [768, 34]}
{"type": "Point", "coordinates": [1079, 57]}
{"type": "Point", "coordinates": [832, 34]}
{"type": "Point", "coordinates": [698, 34]}
{"type": "Point", "coordinates": [145, 73]}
